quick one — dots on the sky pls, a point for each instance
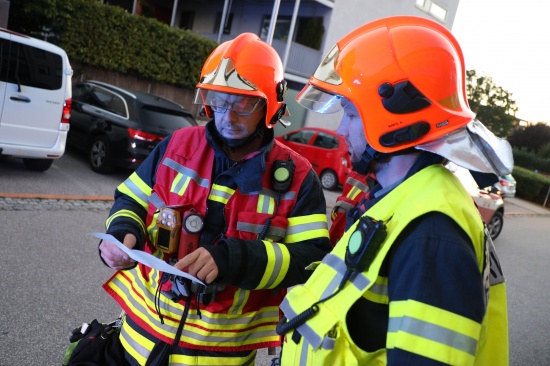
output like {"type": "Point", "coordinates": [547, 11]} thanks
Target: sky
{"type": "Point", "coordinates": [509, 40]}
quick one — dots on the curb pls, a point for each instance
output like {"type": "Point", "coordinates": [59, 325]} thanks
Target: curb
{"type": "Point", "coordinates": [54, 196]}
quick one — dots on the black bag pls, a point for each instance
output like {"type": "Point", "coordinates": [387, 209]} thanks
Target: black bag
{"type": "Point", "coordinates": [98, 345]}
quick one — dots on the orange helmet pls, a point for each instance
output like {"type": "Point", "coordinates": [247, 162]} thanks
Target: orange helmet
{"type": "Point", "coordinates": [245, 66]}
{"type": "Point", "coordinates": [404, 74]}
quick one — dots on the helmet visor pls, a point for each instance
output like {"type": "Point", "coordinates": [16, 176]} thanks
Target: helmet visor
{"type": "Point", "coordinates": [320, 101]}
{"type": "Point", "coordinates": [242, 105]}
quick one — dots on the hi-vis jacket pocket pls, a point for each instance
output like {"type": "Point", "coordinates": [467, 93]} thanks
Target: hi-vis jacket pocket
{"type": "Point", "coordinates": [252, 224]}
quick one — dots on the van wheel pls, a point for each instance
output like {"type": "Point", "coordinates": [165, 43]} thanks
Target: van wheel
{"type": "Point", "coordinates": [101, 157]}
{"type": "Point", "coordinates": [38, 165]}
{"type": "Point", "coordinates": [329, 179]}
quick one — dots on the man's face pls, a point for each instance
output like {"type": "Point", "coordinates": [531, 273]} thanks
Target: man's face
{"type": "Point", "coordinates": [351, 128]}
{"type": "Point", "coordinates": [229, 119]}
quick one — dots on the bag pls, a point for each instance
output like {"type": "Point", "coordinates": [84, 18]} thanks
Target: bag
{"type": "Point", "coordinates": [96, 344]}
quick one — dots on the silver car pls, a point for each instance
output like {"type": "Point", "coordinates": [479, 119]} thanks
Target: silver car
{"type": "Point", "coordinates": [506, 185]}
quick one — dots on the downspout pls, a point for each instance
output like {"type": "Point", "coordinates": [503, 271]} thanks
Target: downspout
{"type": "Point", "coordinates": [291, 33]}
{"type": "Point", "coordinates": [273, 22]}
{"type": "Point", "coordinates": [174, 10]}
{"type": "Point", "coordinates": [223, 19]}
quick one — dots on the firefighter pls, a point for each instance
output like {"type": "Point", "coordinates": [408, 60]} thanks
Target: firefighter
{"type": "Point", "coordinates": [415, 280]}
{"type": "Point", "coordinates": [258, 219]}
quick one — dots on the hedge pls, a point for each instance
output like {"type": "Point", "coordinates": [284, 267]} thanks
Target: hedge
{"type": "Point", "coordinates": [108, 37]}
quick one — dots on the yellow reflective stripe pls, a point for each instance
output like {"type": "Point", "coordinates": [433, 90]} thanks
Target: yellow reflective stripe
{"type": "Point", "coordinates": [239, 299]}
{"type": "Point", "coordinates": [182, 360]}
{"type": "Point", "coordinates": [136, 188]}
{"type": "Point", "coordinates": [126, 213]}
{"type": "Point", "coordinates": [153, 228]}
{"type": "Point", "coordinates": [278, 260]}
{"type": "Point", "coordinates": [220, 193]}
{"type": "Point", "coordinates": [180, 184]}
{"type": "Point", "coordinates": [378, 292]}
{"type": "Point", "coordinates": [135, 344]}
{"type": "Point", "coordinates": [353, 192]}
{"type": "Point", "coordinates": [307, 227]}
{"type": "Point", "coordinates": [266, 204]}
{"type": "Point", "coordinates": [432, 332]}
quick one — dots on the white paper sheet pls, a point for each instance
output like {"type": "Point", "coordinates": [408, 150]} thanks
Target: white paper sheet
{"type": "Point", "coordinates": [147, 259]}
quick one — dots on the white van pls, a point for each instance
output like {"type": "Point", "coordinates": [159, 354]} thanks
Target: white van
{"type": "Point", "coordinates": [35, 99]}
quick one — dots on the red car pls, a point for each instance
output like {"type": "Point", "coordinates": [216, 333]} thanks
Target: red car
{"type": "Point", "coordinates": [326, 150]}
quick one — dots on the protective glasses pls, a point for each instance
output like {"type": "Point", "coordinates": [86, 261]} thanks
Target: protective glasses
{"type": "Point", "coordinates": [242, 105]}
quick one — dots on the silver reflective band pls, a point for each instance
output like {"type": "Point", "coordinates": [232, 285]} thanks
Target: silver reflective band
{"type": "Point", "coordinates": [226, 75]}
{"type": "Point", "coordinates": [242, 105]}
{"type": "Point", "coordinates": [326, 71]}
{"type": "Point", "coordinates": [320, 101]}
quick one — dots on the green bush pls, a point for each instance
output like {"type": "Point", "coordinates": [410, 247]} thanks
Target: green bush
{"type": "Point", "coordinates": [530, 185]}
{"type": "Point", "coordinates": [530, 160]}
{"type": "Point", "coordinates": [110, 38]}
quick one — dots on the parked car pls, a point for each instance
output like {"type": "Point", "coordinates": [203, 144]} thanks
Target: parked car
{"type": "Point", "coordinates": [325, 149]}
{"type": "Point", "coordinates": [507, 185]}
{"type": "Point", "coordinates": [489, 204]}
{"type": "Point", "coordinates": [119, 127]}
{"type": "Point", "coordinates": [35, 99]}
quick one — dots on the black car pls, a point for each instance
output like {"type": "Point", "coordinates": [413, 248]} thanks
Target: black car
{"type": "Point", "coordinates": [119, 127]}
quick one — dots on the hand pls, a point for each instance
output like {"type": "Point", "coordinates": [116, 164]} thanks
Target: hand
{"type": "Point", "coordinates": [201, 265]}
{"type": "Point", "coordinates": [114, 256]}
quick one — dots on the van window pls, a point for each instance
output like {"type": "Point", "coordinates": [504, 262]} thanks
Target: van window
{"type": "Point", "coordinates": [32, 66]}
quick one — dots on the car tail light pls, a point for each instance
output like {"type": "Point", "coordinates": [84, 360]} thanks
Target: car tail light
{"type": "Point", "coordinates": [144, 136]}
{"type": "Point", "coordinates": [505, 183]}
{"type": "Point", "coordinates": [66, 111]}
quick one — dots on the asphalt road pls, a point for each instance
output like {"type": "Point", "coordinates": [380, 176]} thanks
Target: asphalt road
{"type": "Point", "coordinates": [51, 274]}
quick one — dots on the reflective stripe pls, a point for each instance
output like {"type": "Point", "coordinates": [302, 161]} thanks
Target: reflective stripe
{"type": "Point", "coordinates": [278, 260]}
{"type": "Point", "coordinates": [306, 227]}
{"type": "Point", "coordinates": [265, 205]}
{"type": "Point", "coordinates": [211, 329]}
{"type": "Point", "coordinates": [180, 184]}
{"type": "Point", "coordinates": [357, 187]}
{"type": "Point", "coordinates": [135, 344]}
{"type": "Point", "coordinates": [136, 188]}
{"type": "Point", "coordinates": [290, 195]}
{"type": "Point", "coordinates": [379, 291]}
{"type": "Point", "coordinates": [203, 182]}
{"type": "Point", "coordinates": [239, 300]}
{"type": "Point", "coordinates": [156, 201]}
{"type": "Point", "coordinates": [220, 193]}
{"type": "Point", "coordinates": [346, 206]}
{"type": "Point", "coordinates": [126, 213]}
{"type": "Point", "coordinates": [359, 280]}
{"type": "Point", "coordinates": [199, 360]}
{"type": "Point", "coordinates": [305, 330]}
{"type": "Point", "coordinates": [433, 332]}
{"type": "Point", "coordinates": [273, 231]}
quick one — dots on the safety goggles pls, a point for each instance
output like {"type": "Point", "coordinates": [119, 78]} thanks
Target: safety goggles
{"type": "Point", "coordinates": [242, 105]}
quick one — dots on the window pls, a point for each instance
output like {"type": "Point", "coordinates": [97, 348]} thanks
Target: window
{"type": "Point", "coordinates": [325, 141]}
{"type": "Point", "coordinates": [31, 66]}
{"type": "Point", "coordinates": [227, 27]}
{"type": "Point", "coordinates": [101, 98]}
{"type": "Point", "coordinates": [301, 137]}
{"type": "Point", "coordinates": [282, 27]}
{"type": "Point", "coordinates": [187, 18]}
{"type": "Point", "coordinates": [435, 10]}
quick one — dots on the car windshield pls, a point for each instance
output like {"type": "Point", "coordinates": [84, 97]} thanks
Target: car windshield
{"type": "Point", "coordinates": [166, 119]}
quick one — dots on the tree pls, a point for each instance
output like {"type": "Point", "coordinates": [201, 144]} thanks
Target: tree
{"type": "Point", "coordinates": [492, 104]}
{"type": "Point", "coordinates": [531, 138]}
